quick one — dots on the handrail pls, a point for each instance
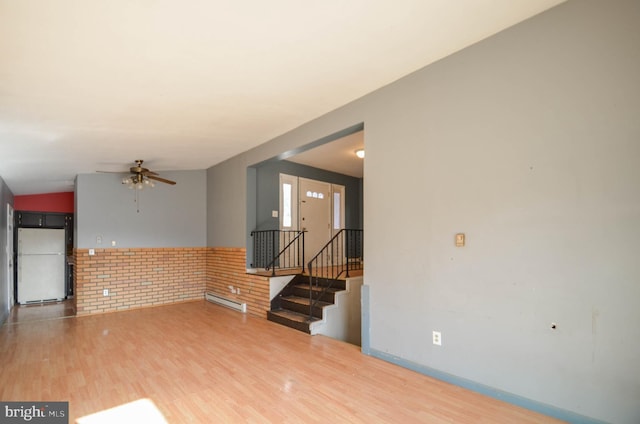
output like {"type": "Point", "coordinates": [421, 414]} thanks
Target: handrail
{"type": "Point", "coordinates": [267, 242]}
{"type": "Point", "coordinates": [341, 254]}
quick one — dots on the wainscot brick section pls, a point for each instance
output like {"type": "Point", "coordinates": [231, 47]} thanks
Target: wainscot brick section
{"type": "Point", "coordinates": [226, 266]}
{"type": "Point", "coordinates": [137, 277]}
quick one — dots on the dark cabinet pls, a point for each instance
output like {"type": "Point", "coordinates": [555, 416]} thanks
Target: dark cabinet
{"type": "Point", "coordinates": [69, 233]}
{"type": "Point", "coordinates": [55, 220]}
{"type": "Point", "coordinates": [30, 219]}
{"type": "Point", "coordinates": [41, 220]}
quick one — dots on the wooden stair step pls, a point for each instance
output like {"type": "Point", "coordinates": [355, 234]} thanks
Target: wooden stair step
{"type": "Point", "coordinates": [301, 305]}
{"type": "Point", "coordinates": [339, 284]}
{"type": "Point", "coordinates": [295, 320]}
{"type": "Point", "coordinates": [305, 301]}
{"type": "Point", "coordinates": [302, 290]}
{"type": "Point", "coordinates": [318, 288]}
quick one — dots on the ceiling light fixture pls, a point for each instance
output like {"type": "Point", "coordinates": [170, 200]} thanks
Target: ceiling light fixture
{"type": "Point", "coordinates": [140, 179]}
{"type": "Point", "coordinates": [138, 182]}
{"type": "Point", "coordinates": [360, 153]}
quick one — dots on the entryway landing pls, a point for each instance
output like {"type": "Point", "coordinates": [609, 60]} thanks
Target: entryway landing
{"type": "Point", "coordinates": [300, 271]}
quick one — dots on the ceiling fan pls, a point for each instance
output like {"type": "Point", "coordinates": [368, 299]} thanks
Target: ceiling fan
{"type": "Point", "coordinates": [139, 179]}
{"type": "Point", "coordinates": [143, 177]}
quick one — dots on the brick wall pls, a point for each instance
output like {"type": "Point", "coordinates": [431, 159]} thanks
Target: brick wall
{"type": "Point", "coordinates": [143, 277]}
{"type": "Point", "coordinates": [226, 267]}
{"type": "Point", "coordinates": [137, 278]}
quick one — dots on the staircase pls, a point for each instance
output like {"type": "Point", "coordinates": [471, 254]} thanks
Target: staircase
{"type": "Point", "coordinates": [308, 303]}
{"type": "Point", "coordinates": [291, 306]}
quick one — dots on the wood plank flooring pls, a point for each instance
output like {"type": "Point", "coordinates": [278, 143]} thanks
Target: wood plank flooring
{"type": "Point", "coordinates": [197, 362]}
{"type": "Point", "coordinates": [41, 311]}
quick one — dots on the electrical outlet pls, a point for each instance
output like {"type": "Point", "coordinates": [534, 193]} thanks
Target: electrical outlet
{"type": "Point", "coordinates": [437, 338]}
{"type": "Point", "coordinates": [105, 292]}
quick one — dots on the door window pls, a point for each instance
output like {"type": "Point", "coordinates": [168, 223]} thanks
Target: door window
{"type": "Point", "coordinates": [288, 202]}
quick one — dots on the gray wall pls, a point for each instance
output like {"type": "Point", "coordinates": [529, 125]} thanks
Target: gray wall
{"type": "Point", "coordinates": [268, 191]}
{"type": "Point", "coordinates": [528, 142]}
{"type": "Point", "coordinates": [170, 216]}
{"type": "Point", "coordinates": [6, 196]}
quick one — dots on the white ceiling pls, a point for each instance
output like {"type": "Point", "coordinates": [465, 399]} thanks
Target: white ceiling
{"type": "Point", "coordinates": [93, 84]}
{"type": "Point", "coordinates": [338, 156]}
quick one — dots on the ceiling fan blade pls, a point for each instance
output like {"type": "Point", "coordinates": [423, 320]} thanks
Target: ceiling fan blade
{"type": "Point", "coordinates": [112, 172]}
{"type": "Point", "coordinates": [162, 180]}
{"type": "Point", "coordinates": [148, 172]}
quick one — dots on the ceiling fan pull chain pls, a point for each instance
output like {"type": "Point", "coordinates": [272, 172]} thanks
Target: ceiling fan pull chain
{"type": "Point", "coordinates": [137, 200]}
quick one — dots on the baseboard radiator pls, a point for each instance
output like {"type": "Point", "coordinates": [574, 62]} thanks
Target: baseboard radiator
{"type": "Point", "coordinates": [229, 303]}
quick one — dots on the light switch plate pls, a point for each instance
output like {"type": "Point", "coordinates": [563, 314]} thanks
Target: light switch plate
{"type": "Point", "coordinates": [274, 214]}
{"type": "Point", "coordinates": [460, 240]}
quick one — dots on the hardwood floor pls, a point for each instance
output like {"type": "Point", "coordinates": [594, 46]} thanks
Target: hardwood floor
{"type": "Point", "coordinates": [41, 311]}
{"type": "Point", "coordinates": [201, 363]}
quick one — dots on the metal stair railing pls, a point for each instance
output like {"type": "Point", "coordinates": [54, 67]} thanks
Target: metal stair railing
{"type": "Point", "coordinates": [267, 242]}
{"type": "Point", "coordinates": [343, 253]}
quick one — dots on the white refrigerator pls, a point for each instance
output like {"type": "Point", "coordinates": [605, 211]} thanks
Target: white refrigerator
{"type": "Point", "coordinates": [41, 265]}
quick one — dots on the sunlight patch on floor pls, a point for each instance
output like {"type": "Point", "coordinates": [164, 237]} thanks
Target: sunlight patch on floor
{"type": "Point", "coordinates": [139, 411]}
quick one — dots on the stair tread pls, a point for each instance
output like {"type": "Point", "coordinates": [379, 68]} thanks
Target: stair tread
{"type": "Point", "coordinates": [293, 316]}
{"type": "Point", "coordinates": [305, 300]}
{"type": "Point", "coordinates": [319, 288]}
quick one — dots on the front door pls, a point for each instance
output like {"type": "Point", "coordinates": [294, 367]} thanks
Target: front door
{"type": "Point", "coordinates": [315, 215]}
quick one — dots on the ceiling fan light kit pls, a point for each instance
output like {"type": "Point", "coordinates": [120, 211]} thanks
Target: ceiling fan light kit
{"type": "Point", "coordinates": [140, 178]}
{"type": "Point", "coordinates": [138, 182]}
